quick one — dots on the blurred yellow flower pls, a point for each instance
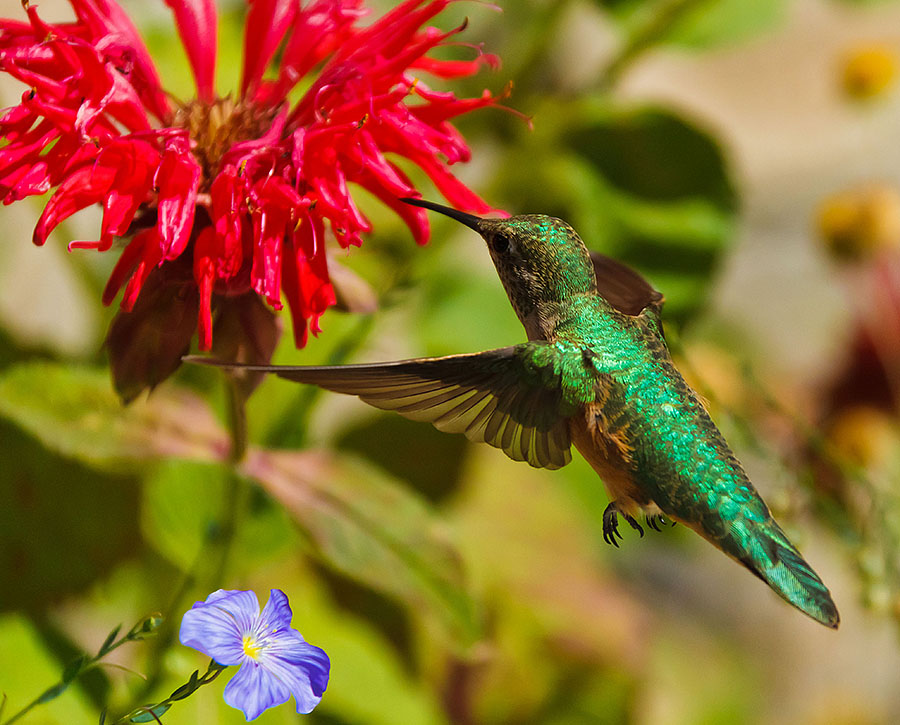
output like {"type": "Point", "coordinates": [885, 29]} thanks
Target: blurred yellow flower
{"type": "Point", "coordinates": [859, 222]}
{"type": "Point", "coordinates": [864, 436]}
{"type": "Point", "coordinates": [868, 71]}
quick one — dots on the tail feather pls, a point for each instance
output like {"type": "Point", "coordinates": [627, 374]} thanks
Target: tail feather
{"type": "Point", "coordinates": [773, 558]}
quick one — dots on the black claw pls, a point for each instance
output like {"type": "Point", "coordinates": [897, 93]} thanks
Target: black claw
{"type": "Point", "coordinates": [657, 520]}
{"type": "Point", "coordinates": [634, 524]}
{"type": "Point", "coordinates": [611, 525]}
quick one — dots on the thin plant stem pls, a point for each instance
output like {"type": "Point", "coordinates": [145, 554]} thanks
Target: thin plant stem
{"type": "Point", "coordinates": [195, 682]}
{"type": "Point", "coordinates": [645, 37]}
{"type": "Point", "coordinates": [234, 492]}
{"type": "Point", "coordinates": [83, 664]}
{"type": "Point", "coordinates": [217, 542]}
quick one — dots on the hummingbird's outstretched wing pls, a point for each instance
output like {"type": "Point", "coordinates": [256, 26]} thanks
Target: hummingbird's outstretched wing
{"type": "Point", "coordinates": [513, 398]}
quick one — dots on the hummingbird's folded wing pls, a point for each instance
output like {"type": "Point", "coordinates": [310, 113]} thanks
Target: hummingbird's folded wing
{"type": "Point", "coordinates": [510, 398]}
{"type": "Point", "coordinates": [624, 288]}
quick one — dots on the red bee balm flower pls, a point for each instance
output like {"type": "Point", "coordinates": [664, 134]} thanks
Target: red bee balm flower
{"type": "Point", "coordinates": [222, 196]}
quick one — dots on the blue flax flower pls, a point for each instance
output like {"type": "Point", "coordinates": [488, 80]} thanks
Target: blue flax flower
{"type": "Point", "coordinates": [276, 662]}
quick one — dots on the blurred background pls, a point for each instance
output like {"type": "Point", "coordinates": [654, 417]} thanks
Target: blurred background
{"type": "Point", "coordinates": [744, 156]}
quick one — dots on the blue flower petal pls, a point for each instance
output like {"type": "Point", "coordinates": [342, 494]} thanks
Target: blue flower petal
{"type": "Point", "coordinates": [302, 667]}
{"type": "Point", "coordinates": [217, 626]}
{"type": "Point", "coordinates": [253, 689]}
{"type": "Point", "coordinates": [276, 615]}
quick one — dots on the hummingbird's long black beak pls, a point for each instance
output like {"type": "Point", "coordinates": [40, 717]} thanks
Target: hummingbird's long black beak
{"type": "Point", "coordinates": [470, 220]}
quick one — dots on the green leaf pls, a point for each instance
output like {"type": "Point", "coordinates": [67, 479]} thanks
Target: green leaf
{"type": "Point", "coordinates": [53, 692]}
{"type": "Point", "coordinates": [182, 500]}
{"type": "Point", "coordinates": [435, 461]}
{"type": "Point", "coordinates": [725, 22]}
{"type": "Point", "coordinates": [366, 526]}
{"type": "Point", "coordinates": [74, 411]}
{"type": "Point", "coordinates": [63, 526]}
{"type": "Point", "coordinates": [699, 24]}
{"type": "Point", "coordinates": [661, 191]}
{"type": "Point", "coordinates": [107, 643]}
{"type": "Point", "coordinates": [653, 153]}
{"type": "Point", "coordinates": [28, 665]}
{"type": "Point", "coordinates": [188, 688]}
{"type": "Point", "coordinates": [74, 668]}
{"type": "Point", "coordinates": [152, 715]}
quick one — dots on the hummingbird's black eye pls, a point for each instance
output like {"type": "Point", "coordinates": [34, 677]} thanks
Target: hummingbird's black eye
{"type": "Point", "coordinates": [499, 243]}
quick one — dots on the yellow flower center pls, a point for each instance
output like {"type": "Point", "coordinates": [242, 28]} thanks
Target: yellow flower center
{"type": "Point", "coordinates": [251, 646]}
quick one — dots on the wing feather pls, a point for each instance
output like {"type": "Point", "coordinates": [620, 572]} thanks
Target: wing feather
{"type": "Point", "coordinates": [513, 398]}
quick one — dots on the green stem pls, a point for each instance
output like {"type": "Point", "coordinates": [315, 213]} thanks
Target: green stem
{"type": "Point", "coordinates": [543, 31]}
{"type": "Point", "coordinates": [217, 543]}
{"type": "Point", "coordinates": [146, 713]}
{"type": "Point", "coordinates": [643, 38]}
{"type": "Point", "coordinates": [237, 422]}
{"type": "Point", "coordinates": [78, 667]}
{"type": "Point", "coordinates": [237, 426]}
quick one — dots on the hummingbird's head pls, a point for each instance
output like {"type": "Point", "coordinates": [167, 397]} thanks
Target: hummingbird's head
{"type": "Point", "coordinates": [539, 258]}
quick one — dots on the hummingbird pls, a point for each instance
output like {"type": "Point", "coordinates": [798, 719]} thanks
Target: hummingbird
{"type": "Point", "coordinates": [595, 373]}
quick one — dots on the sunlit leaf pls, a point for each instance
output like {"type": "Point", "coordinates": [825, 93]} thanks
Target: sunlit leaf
{"type": "Point", "coordinates": [664, 194]}
{"type": "Point", "coordinates": [183, 501]}
{"type": "Point", "coordinates": [724, 22]}
{"type": "Point", "coordinates": [74, 411]}
{"type": "Point", "coordinates": [420, 455]}
{"type": "Point", "coordinates": [368, 527]}
{"type": "Point", "coordinates": [697, 24]}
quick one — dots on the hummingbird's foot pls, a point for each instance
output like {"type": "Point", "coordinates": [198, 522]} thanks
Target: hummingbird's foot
{"type": "Point", "coordinates": [611, 525]}
{"type": "Point", "coordinates": [654, 521]}
{"type": "Point", "coordinates": [634, 524]}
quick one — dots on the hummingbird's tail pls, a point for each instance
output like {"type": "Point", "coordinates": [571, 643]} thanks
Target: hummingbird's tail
{"type": "Point", "coordinates": [769, 554]}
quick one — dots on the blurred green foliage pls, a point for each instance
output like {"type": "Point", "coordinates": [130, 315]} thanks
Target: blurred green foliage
{"type": "Point", "coordinates": [447, 583]}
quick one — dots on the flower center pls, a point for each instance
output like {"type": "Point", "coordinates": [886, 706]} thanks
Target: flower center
{"type": "Point", "coordinates": [217, 126]}
{"type": "Point", "coordinates": [251, 646]}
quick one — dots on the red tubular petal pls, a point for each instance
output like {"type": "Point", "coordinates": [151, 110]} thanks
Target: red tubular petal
{"type": "Point", "coordinates": [269, 227]}
{"type": "Point", "coordinates": [227, 208]}
{"type": "Point", "coordinates": [414, 217]}
{"type": "Point", "coordinates": [449, 69]}
{"type": "Point", "coordinates": [36, 181]}
{"type": "Point", "coordinates": [204, 276]}
{"type": "Point", "coordinates": [319, 28]}
{"type": "Point", "coordinates": [124, 267]}
{"type": "Point", "coordinates": [149, 256]}
{"type": "Point", "coordinates": [16, 122]}
{"type": "Point", "coordinates": [291, 286]}
{"type": "Point", "coordinates": [196, 22]}
{"type": "Point", "coordinates": [278, 203]}
{"type": "Point", "coordinates": [178, 179]}
{"type": "Point", "coordinates": [136, 163]}
{"type": "Point", "coordinates": [444, 106]}
{"type": "Point", "coordinates": [267, 22]}
{"type": "Point", "coordinates": [112, 25]}
{"type": "Point", "coordinates": [306, 284]}
{"type": "Point", "coordinates": [84, 187]}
